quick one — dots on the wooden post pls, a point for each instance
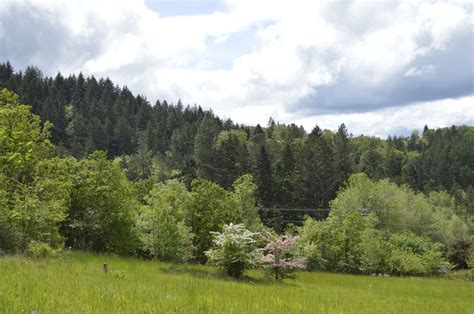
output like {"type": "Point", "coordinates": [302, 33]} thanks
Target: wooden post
{"type": "Point", "coordinates": [106, 268]}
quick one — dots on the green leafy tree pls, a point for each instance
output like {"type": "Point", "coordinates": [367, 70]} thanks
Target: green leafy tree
{"type": "Point", "coordinates": [244, 195]}
{"type": "Point", "coordinates": [102, 209]}
{"type": "Point", "coordinates": [24, 141]}
{"type": "Point", "coordinates": [210, 207]}
{"type": "Point", "coordinates": [334, 244]}
{"type": "Point", "coordinates": [10, 237]}
{"type": "Point", "coordinates": [162, 229]}
{"type": "Point", "coordinates": [399, 208]}
{"type": "Point", "coordinates": [41, 206]}
{"type": "Point", "coordinates": [31, 191]}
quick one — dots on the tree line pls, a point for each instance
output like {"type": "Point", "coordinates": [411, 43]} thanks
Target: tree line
{"type": "Point", "coordinates": [48, 202]}
{"type": "Point", "coordinates": [162, 190]}
{"type": "Point", "coordinates": [292, 168]}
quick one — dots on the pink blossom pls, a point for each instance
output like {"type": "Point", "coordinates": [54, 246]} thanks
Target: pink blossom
{"type": "Point", "coordinates": [279, 259]}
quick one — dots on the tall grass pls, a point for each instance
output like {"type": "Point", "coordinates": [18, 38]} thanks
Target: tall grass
{"type": "Point", "coordinates": [76, 283]}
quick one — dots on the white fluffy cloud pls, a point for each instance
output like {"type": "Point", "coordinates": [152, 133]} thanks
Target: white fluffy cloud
{"type": "Point", "coordinates": [357, 62]}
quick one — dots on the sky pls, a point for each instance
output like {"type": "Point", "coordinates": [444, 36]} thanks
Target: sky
{"type": "Point", "coordinates": [380, 67]}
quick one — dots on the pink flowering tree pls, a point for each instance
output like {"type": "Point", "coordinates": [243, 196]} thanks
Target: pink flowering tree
{"type": "Point", "coordinates": [279, 259]}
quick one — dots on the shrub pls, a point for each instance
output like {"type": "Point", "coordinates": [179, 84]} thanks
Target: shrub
{"type": "Point", "coordinates": [405, 263]}
{"type": "Point", "coordinates": [374, 252]}
{"type": "Point", "coordinates": [280, 259]}
{"type": "Point", "coordinates": [40, 250]}
{"type": "Point", "coordinates": [462, 274]}
{"type": "Point", "coordinates": [399, 208]}
{"type": "Point", "coordinates": [311, 244]}
{"type": "Point", "coordinates": [335, 244]}
{"type": "Point", "coordinates": [235, 250]}
{"type": "Point", "coordinates": [414, 255]}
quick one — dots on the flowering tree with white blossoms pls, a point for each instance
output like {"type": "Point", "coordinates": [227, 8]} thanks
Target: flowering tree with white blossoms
{"type": "Point", "coordinates": [235, 249]}
{"type": "Point", "coordinates": [279, 259]}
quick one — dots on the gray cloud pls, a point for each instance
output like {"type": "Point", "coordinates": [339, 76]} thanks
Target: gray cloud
{"type": "Point", "coordinates": [290, 60]}
{"type": "Point", "coordinates": [30, 35]}
{"type": "Point", "coordinates": [439, 74]}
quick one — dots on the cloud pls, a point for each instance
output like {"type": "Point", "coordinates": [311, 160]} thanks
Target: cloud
{"type": "Point", "coordinates": [399, 120]}
{"type": "Point", "coordinates": [286, 59]}
{"type": "Point", "coordinates": [414, 71]}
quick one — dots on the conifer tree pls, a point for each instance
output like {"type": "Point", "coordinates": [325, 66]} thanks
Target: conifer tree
{"type": "Point", "coordinates": [204, 154]}
{"type": "Point", "coordinates": [264, 178]}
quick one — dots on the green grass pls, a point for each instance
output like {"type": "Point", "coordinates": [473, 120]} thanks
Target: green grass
{"type": "Point", "coordinates": [76, 283]}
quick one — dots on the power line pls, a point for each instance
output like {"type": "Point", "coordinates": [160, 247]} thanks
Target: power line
{"type": "Point", "coordinates": [310, 210]}
{"type": "Point", "coordinates": [363, 211]}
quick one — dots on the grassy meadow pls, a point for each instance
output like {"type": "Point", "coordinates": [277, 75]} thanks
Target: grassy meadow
{"type": "Point", "coordinates": [76, 283]}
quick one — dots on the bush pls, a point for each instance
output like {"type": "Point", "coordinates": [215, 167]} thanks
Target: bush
{"type": "Point", "coordinates": [414, 255]}
{"type": "Point", "coordinates": [405, 263]}
{"type": "Point", "coordinates": [462, 274]}
{"type": "Point", "coordinates": [235, 250]}
{"type": "Point", "coordinates": [40, 250]}
{"type": "Point", "coordinates": [280, 259]}
{"type": "Point", "coordinates": [348, 242]}
{"type": "Point", "coordinates": [335, 244]}
{"type": "Point", "coordinates": [374, 252]}
{"type": "Point", "coordinates": [311, 244]}
{"type": "Point", "coordinates": [398, 208]}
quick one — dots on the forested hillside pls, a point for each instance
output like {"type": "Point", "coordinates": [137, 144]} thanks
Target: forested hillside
{"type": "Point", "coordinates": [292, 168]}
{"type": "Point", "coordinates": [92, 167]}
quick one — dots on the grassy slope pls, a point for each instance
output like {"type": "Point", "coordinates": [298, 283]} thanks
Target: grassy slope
{"type": "Point", "coordinates": [77, 284]}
